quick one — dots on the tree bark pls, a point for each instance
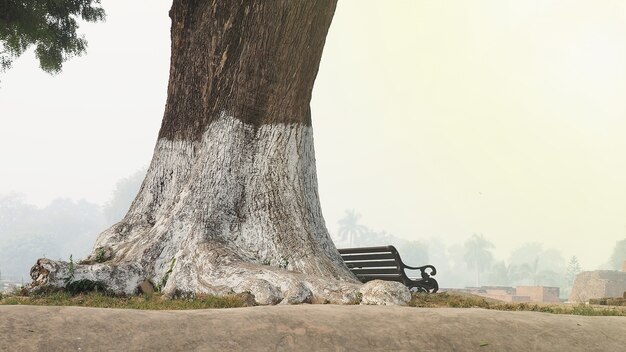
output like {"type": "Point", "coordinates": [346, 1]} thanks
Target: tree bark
{"type": "Point", "coordinates": [229, 203]}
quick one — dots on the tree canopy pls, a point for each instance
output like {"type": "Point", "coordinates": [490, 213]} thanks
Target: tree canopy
{"type": "Point", "coordinates": [49, 25]}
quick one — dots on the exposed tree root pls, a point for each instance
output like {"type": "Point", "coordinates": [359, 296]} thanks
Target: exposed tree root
{"type": "Point", "coordinates": [269, 285]}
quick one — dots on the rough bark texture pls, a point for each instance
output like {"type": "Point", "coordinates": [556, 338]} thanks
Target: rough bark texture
{"type": "Point", "coordinates": [230, 201]}
{"type": "Point", "coordinates": [255, 60]}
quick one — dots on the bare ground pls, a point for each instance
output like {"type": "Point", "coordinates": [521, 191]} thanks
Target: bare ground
{"type": "Point", "coordinates": [304, 328]}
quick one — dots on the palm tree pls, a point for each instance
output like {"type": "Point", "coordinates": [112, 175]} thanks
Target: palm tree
{"type": "Point", "coordinates": [350, 229]}
{"type": "Point", "coordinates": [503, 274]}
{"type": "Point", "coordinates": [534, 273]}
{"type": "Point", "coordinates": [477, 254]}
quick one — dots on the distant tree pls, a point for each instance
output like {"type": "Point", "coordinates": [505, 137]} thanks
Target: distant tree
{"type": "Point", "coordinates": [534, 273]}
{"type": "Point", "coordinates": [478, 254]}
{"type": "Point", "coordinates": [573, 269]}
{"type": "Point", "coordinates": [125, 191]}
{"type": "Point", "coordinates": [459, 274]}
{"type": "Point", "coordinates": [502, 274]}
{"type": "Point", "coordinates": [61, 228]}
{"type": "Point", "coordinates": [619, 255]}
{"type": "Point", "coordinates": [526, 253]}
{"type": "Point", "coordinates": [350, 229]}
{"type": "Point", "coordinates": [531, 271]}
{"type": "Point", "coordinates": [49, 25]}
{"type": "Point", "coordinates": [538, 266]}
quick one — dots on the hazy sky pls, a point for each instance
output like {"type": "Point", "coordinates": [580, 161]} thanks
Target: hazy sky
{"type": "Point", "coordinates": [431, 118]}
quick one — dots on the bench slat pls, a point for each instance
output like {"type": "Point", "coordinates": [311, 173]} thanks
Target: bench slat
{"type": "Point", "coordinates": [372, 264]}
{"type": "Point", "coordinates": [373, 256]}
{"type": "Point", "coordinates": [389, 249]}
{"type": "Point", "coordinates": [376, 271]}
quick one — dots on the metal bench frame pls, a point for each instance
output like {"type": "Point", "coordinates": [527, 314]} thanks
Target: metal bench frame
{"type": "Point", "coordinates": [384, 263]}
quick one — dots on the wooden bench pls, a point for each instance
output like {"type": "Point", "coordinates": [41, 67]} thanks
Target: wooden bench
{"type": "Point", "coordinates": [384, 263]}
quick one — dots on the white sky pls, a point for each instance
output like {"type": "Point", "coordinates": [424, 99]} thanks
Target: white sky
{"type": "Point", "coordinates": [432, 118]}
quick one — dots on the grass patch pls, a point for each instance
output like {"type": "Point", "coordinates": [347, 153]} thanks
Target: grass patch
{"type": "Point", "coordinates": [157, 302]}
{"type": "Point", "coordinates": [455, 300]}
{"type": "Point", "coordinates": [101, 300]}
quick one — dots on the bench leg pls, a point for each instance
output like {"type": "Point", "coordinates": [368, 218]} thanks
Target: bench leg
{"type": "Point", "coordinates": [429, 285]}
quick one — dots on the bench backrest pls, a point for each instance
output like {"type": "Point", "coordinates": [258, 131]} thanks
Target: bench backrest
{"type": "Point", "coordinates": [372, 263]}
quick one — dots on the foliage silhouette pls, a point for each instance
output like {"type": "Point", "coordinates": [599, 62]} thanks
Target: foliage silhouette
{"type": "Point", "coordinates": [50, 26]}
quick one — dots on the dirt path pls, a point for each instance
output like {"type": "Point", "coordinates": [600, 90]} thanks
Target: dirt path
{"type": "Point", "coordinates": [304, 328]}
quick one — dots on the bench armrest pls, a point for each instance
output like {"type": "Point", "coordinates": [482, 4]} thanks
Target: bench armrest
{"type": "Point", "coordinates": [424, 274]}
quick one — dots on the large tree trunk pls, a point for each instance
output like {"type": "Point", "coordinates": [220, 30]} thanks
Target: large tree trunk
{"type": "Point", "coordinates": [230, 202]}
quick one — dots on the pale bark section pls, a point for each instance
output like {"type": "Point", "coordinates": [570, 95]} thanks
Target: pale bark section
{"type": "Point", "coordinates": [238, 210]}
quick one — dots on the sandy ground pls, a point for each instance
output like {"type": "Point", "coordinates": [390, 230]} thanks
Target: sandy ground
{"type": "Point", "coordinates": [304, 328]}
